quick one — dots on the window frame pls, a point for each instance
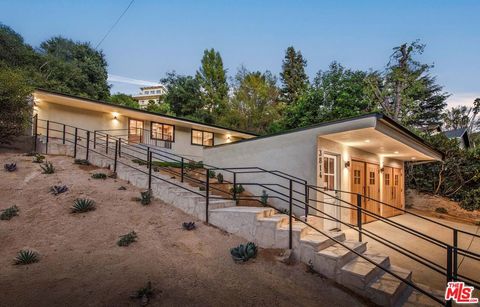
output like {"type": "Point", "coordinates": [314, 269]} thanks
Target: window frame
{"type": "Point", "coordinates": [162, 139]}
{"type": "Point", "coordinates": [203, 139]}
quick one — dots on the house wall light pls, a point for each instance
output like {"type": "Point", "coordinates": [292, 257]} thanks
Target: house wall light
{"type": "Point", "coordinates": [115, 115]}
{"type": "Point", "coordinates": [347, 164]}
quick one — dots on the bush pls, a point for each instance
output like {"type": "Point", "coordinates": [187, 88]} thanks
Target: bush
{"type": "Point", "coordinates": [441, 210]}
{"type": "Point", "coordinates": [81, 205]}
{"type": "Point", "coordinates": [38, 158]}
{"type": "Point", "coordinates": [26, 257]}
{"type": "Point", "coordinates": [144, 294]}
{"type": "Point", "coordinates": [8, 213]}
{"type": "Point", "coordinates": [264, 198]}
{"type": "Point", "coordinates": [243, 253]}
{"type": "Point", "coordinates": [58, 189]}
{"type": "Point", "coordinates": [146, 197]}
{"type": "Point", "coordinates": [220, 178]}
{"type": "Point", "coordinates": [471, 200]}
{"type": "Point", "coordinates": [81, 162]}
{"type": "Point", "coordinates": [11, 167]}
{"type": "Point", "coordinates": [211, 174]}
{"type": "Point", "coordinates": [99, 176]}
{"type": "Point", "coordinates": [48, 168]}
{"type": "Point", "coordinates": [127, 239]}
{"type": "Point", "coordinates": [189, 225]}
{"type": "Point", "coordinates": [237, 189]}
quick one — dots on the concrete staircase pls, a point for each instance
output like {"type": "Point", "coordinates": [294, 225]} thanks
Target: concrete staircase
{"type": "Point", "coordinates": [269, 229]}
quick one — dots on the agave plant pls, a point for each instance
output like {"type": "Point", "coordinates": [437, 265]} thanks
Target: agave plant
{"type": "Point", "coordinates": [99, 176]}
{"type": "Point", "coordinates": [211, 173]}
{"type": "Point", "coordinates": [8, 213]}
{"type": "Point", "coordinates": [83, 205]}
{"type": "Point", "coordinates": [81, 161]}
{"type": "Point", "coordinates": [38, 158]}
{"type": "Point", "coordinates": [264, 198]}
{"type": "Point", "coordinates": [237, 189]}
{"type": "Point", "coordinates": [144, 294]}
{"type": "Point", "coordinates": [125, 240]}
{"type": "Point", "coordinates": [58, 189]}
{"type": "Point", "coordinates": [122, 188]}
{"type": "Point", "coordinates": [220, 178]}
{"type": "Point", "coordinates": [189, 225]}
{"type": "Point", "coordinates": [11, 167]}
{"type": "Point", "coordinates": [48, 168]}
{"type": "Point", "coordinates": [146, 197]}
{"type": "Point", "coordinates": [243, 253]}
{"type": "Point", "coordinates": [26, 256]}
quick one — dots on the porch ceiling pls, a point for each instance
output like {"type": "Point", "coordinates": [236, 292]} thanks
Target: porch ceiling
{"type": "Point", "coordinates": [379, 143]}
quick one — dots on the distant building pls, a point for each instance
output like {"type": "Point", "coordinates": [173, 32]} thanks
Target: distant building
{"type": "Point", "coordinates": [461, 135]}
{"type": "Point", "coordinates": [150, 93]}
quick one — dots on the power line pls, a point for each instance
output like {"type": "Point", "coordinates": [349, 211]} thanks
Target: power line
{"type": "Point", "coordinates": [113, 26]}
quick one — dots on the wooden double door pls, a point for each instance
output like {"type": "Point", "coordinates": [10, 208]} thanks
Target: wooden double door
{"type": "Point", "coordinates": [365, 180]}
{"type": "Point", "coordinates": [135, 131]}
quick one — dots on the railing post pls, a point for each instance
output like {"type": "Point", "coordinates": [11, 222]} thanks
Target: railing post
{"type": "Point", "coordinates": [207, 196]}
{"type": "Point", "coordinates": [119, 147]}
{"type": "Point", "coordinates": [88, 145]}
{"type": "Point", "coordinates": [36, 133]}
{"type": "Point", "coordinates": [359, 216]}
{"type": "Point", "coordinates": [75, 144]}
{"type": "Point", "coordinates": [46, 144]}
{"type": "Point", "coordinates": [106, 144]}
{"type": "Point", "coordinates": [115, 160]}
{"type": "Point", "coordinates": [455, 253]}
{"type": "Point", "coordinates": [150, 171]}
{"type": "Point", "coordinates": [449, 263]}
{"type": "Point", "coordinates": [182, 168]}
{"type": "Point", "coordinates": [234, 186]}
{"type": "Point", "coordinates": [63, 134]}
{"type": "Point", "coordinates": [149, 165]}
{"type": "Point", "coordinates": [307, 198]}
{"type": "Point", "coordinates": [94, 139]}
{"type": "Point", "coordinates": [290, 220]}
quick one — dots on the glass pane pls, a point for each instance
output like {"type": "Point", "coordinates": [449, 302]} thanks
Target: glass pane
{"type": "Point", "coordinates": [332, 165]}
{"type": "Point", "coordinates": [325, 166]}
{"type": "Point", "coordinates": [207, 138]}
{"type": "Point", "coordinates": [167, 132]}
{"type": "Point", "coordinates": [197, 137]}
{"type": "Point", "coordinates": [156, 132]}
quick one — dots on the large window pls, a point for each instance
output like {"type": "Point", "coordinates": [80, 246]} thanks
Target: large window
{"type": "Point", "coordinates": [203, 138]}
{"type": "Point", "coordinates": [162, 132]}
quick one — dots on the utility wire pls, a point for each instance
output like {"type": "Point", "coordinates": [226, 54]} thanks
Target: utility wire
{"type": "Point", "coordinates": [113, 26]}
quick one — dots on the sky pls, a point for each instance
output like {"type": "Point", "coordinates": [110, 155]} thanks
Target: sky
{"type": "Point", "coordinates": [158, 36]}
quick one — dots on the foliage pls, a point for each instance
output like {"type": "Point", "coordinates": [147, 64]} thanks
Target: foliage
{"type": "Point", "coordinates": [26, 256]}
{"type": "Point", "coordinates": [293, 75]}
{"type": "Point", "coordinates": [243, 253]}
{"type": "Point", "coordinates": [15, 103]}
{"type": "Point", "coordinates": [10, 167]}
{"type": "Point", "coordinates": [144, 294]}
{"type": "Point", "coordinates": [463, 117]}
{"type": "Point", "coordinates": [38, 158]}
{"type": "Point", "coordinates": [211, 173]}
{"type": "Point", "coordinates": [146, 197]}
{"type": "Point", "coordinates": [47, 168]}
{"type": "Point", "coordinates": [190, 164]}
{"type": "Point", "coordinates": [99, 176]}
{"type": "Point", "coordinates": [189, 225]}
{"type": "Point", "coordinates": [264, 198]}
{"type": "Point", "coordinates": [124, 100]}
{"type": "Point", "coordinates": [161, 108]}
{"type": "Point", "coordinates": [8, 213]}
{"type": "Point", "coordinates": [471, 200]}
{"type": "Point", "coordinates": [441, 210]}
{"type": "Point", "coordinates": [58, 189]}
{"type": "Point", "coordinates": [220, 178]}
{"type": "Point", "coordinates": [238, 189]}
{"type": "Point", "coordinates": [127, 239]}
{"type": "Point", "coordinates": [81, 205]}
{"type": "Point", "coordinates": [81, 161]}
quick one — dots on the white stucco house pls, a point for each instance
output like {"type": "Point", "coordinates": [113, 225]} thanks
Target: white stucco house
{"type": "Point", "coordinates": [150, 93]}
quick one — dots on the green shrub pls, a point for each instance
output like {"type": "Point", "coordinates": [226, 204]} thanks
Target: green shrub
{"type": "Point", "coordinates": [125, 240]}
{"type": "Point", "coordinates": [81, 161]}
{"type": "Point", "coordinates": [264, 198]}
{"type": "Point", "coordinates": [220, 178]}
{"type": "Point", "coordinates": [441, 210]}
{"type": "Point", "coordinates": [99, 176]}
{"type": "Point", "coordinates": [26, 257]}
{"type": "Point", "coordinates": [38, 158]}
{"type": "Point", "coordinates": [144, 294]}
{"type": "Point", "coordinates": [58, 189]}
{"type": "Point", "coordinates": [48, 168]}
{"type": "Point", "coordinates": [211, 174]}
{"type": "Point", "coordinates": [146, 197]}
{"type": "Point", "coordinates": [243, 253]}
{"type": "Point", "coordinates": [237, 189]}
{"type": "Point", "coordinates": [202, 188]}
{"type": "Point", "coordinates": [471, 200]}
{"type": "Point", "coordinates": [188, 165]}
{"type": "Point", "coordinates": [31, 154]}
{"type": "Point", "coordinates": [8, 213]}
{"type": "Point", "coordinates": [10, 167]}
{"type": "Point", "coordinates": [189, 225]}
{"type": "Point", "coordinates": [81, 205]}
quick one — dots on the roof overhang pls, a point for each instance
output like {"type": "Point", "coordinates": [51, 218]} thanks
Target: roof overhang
{"type": "Point", "coordinates": [100, 106]}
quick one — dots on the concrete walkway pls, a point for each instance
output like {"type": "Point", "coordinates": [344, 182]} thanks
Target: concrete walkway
{"type": "Point", "coordinates": [430, 251]}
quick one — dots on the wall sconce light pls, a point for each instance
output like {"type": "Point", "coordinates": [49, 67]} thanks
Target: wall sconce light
{"type": "Point", "coordinates": [347, 164]}
{"type": "Point", "coordinates": [115, 115]}
{"type": "Point", "coordinates": [382, 169]}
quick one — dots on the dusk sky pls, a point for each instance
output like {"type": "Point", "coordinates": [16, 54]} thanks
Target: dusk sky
{"type": "Point", "coordinates": [155, 37]}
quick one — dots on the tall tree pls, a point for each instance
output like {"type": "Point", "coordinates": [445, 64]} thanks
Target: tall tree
{"type": "Point", "coordinates": [293, 76]}
{"type": "Point", "coordinates": [213, 82]}
{"type": "Point", "coordinates": [463, 117]}
{"type": "Point", "coordinates": [124, 100]}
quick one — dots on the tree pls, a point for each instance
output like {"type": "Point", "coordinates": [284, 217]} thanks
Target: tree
{"type": "Point", "coordinates": [213, 81]}
{"type": "Point", "coordinates": [463, 117]}
{"type": "Point", "coordinates": [124, 100]}
{"type": "Point", "coordinates": [161, 108]}
{"type": "Point", "coordinates": [293, 76]}
{"type": "Point", "coordinates": [14, 52]}
{"type": "Point", "coordinates": [15, 103]}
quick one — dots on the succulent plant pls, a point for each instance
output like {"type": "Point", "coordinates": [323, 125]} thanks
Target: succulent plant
{"type": "Point", "coordinates": [189, 225]}
{"type": "Point", "coordinates": [58, 189]}
{"type": "Point", "coordinates": [264, 198]}
{"type": "Point", "coordinates": [83, 205]}
{"type": "Point", "coordinates": [144, 294]}
{"type": "Point", "coordinates": [26, 256]}
{"type": "Point", "coordinates": [220, 178]}
{"type": "Point", "coordinates": [8, 213]}
{"type": "Point", "coordinates": [237, 189]}
{"type": "Point", "coordinates": [48, 168]}
{"type": "Point", "coordinates": [122, 188]}
{"type": "Point", "coordinates": [146, 197]}
{"type": "Point", "coordinates": [38, 158]}
{"type": "Point", "coordinates": [81, 161]}
{"type": "Point", "coordinates": [10, 167]}
{"type": "Point", "coordinates": [202, 188]}
{"type": "Point", "coordinates": [125, 240]}
{"type": "Point", "coordinates": [211, 173]}
{"type": "Point", "coordinates": [99, 176]}
{"type": "Point", "coordinates": [243, 253]}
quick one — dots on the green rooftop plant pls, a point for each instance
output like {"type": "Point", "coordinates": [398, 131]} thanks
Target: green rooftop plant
{"type": "Point", "coordinates": [127, 239]}
{"type": "Point", "coordinates": [99, 176]}
{"type": "Point", "coordinates": [81, 205]}
{"type": "Point", "coordinates": [441, 210]}
{"type": "Point", "coordinates": [144, 294]}
{"type": "Point", "coordinates": [237, 189]}
{"type": "Point", "coordinates": [189, 225]}
{"type": "Point", "coordinates": [10, 167]}
{"type": "Point", "coordinates": [220, 178]}
{"type": "Point", "coordinates": [48, 168]}
{"type": "Point", "coordinates": [38, 158]}
{"type": "Point", "coordinates": [211, 173]}
{"type": "Point", "coordinates": [8, 213]}
{"type": "Point", "coordinates": [243, 253]}
{"type": "Point", "coordinates": [264, 198]}
{"type": "Point", "coordinates": [146, 197]}
{"type": "Point", "coordinates": [26, 256]}
{"type": "Point", "coordinates": [81, 162]}
{"type": "Point", "coordinates": [58, 189]}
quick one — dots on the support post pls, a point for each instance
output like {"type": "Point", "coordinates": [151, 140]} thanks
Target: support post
{"type": "Point", "coordinates": [94, 139]}
{"type": "Point", "coordinates": [359, 216]}
{"type": "Point", "coordinates": [150, 171]}
{"type": "Point", "coordinates": [182, 169]}
{"type": "Point", "coordinates": [115, 159]}
{"type": "Point", "coordinates": [63, 134]}
{"type": "Point", "coordinates": [46, 144]}
{"type": "Point", "coordinates": [307, 197]}
{"type": "Point", "coordinates": [119, 147]}
{"type": "Point", "coordinates": [149, 165]}
{"type": "Point", "coordinates": [88, 145]}
{"type": "Point", "coordinates": [35, 121]}
{"type": "Point", "coordinates": [106, 145]}
{"type": "Point", "coordinates": [290, 219]}
{"type": "Point", "coordinates": [234, 186]}
{"type": "Point", "coordinates": [455, 254]}
{"type": "Point", "coordinates": [449, 263]}
{"type": "Point", "coordinates": [207, 194]}
{"type": "Point", "coordinates": [75, 144]}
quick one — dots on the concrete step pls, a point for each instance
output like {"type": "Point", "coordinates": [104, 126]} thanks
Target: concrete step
{"type": "Point", "coordinates": [217, 203]}
{"type": "Point", "coordinates": [358, 273]}
{"type": "Point", "coordinates": [387, 290]}
{"type": "Point", "coordinates": [330, 260]}
{"type": "Point", "coordinates": [311, 243]}
{"type": "Point", "coordinates": [299, 230]}
{"type": "Point", "coordinates": [414, 298]}
{"type": "Point", "coordinates": [275, 220]}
